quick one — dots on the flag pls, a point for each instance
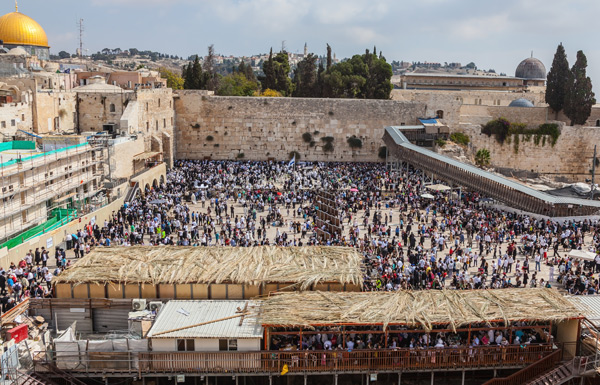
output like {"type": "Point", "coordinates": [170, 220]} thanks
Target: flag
{"type": "Point", "coordinates": [292, 162]}
{"type": "Point", "coordinates": [284, 370]}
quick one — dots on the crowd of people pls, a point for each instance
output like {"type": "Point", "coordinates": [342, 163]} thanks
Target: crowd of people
{"type": "Point", "coordinates": [412, 237]}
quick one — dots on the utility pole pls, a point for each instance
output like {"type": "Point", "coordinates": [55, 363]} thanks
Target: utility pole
{"type": "Point", "coordinates": [593, 173]}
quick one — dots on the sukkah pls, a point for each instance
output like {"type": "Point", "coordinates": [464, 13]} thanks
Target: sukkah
{"type": "Point", "coordinates": [301, 266]}
{"type": "Point", "coordinates": [422, 309]}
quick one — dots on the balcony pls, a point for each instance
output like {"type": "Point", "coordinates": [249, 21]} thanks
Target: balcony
{"type": "Point", "coordinates": [300, 362]}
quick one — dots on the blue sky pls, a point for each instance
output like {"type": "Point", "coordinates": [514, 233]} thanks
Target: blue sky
{"type": "Point", "coordinates": [493, 34]}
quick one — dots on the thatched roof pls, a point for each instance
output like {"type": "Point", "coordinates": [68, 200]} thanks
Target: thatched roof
{"type": "Point", "coordinates": [415, 308]}
{"type": "Point", "coordinates": [303, 266]}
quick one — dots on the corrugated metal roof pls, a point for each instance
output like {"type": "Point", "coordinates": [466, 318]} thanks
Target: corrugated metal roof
{"type": "Point", "coordinates": [179, 314]}
{"type": "Point", "coordinates": [589, 305]}
{"type": "Point", "coordinates": [400, 139]}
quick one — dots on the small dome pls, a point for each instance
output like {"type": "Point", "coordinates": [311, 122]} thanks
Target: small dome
{"type": "Point", "coordinates": [531, 68]}
{"type": "Point", "coordinates": [521, 102]}
{"type": "Point", "coordinates": [19, 29]}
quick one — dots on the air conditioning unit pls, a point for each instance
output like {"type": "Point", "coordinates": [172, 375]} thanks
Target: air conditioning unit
{"type": "Point", "coordinates": [139, 304]}
{"type": "Point", "coordinates": [156, 306]}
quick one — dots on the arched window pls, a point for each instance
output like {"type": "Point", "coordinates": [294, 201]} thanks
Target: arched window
{"type": "Point", "coordinates": [598, 123]}
{"type": "Point", "coordinates": [112, 107]}
{"type": "Point", "coordinates": [440, 114]}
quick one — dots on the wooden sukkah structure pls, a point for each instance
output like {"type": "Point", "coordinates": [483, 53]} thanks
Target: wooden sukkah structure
{"type": "Point", "coordinates": [431, 311]}
{"type": "Point", "coordinates": [176, 272]}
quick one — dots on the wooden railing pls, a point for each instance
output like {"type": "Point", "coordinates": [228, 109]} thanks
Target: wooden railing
{"type": "Point", "coordinates": [305, 361]}
{"type": "Point", "coordinates": [13, 313]}
{"type": "Point", "coordinates": [530, 372]}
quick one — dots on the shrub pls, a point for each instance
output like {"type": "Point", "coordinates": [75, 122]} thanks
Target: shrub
{"type": "Point", "coordinates": [210, 138]}
{"type": "Point", "coordinates": [316, 133]}
{"type": "Point", "coordinates": [307, 137]}
{"type": "Point", "coordinates": [498, 127]}
{"type": "Point", "coordinates": [240, 155]}
{"type": "Point", "coordinates": [382, 153]}
{"type": "Point", "coordinates": [327, 139]}
{"type": "Point", "coordinates": [328, 147]}
{"type": "Point", "coordinates": [502, 129]}
{"type": "Point", "coordinates": [216, 144]}
{"type": "Point", "coordinates": [312, 143]}
{"type": "Point", "coordinates": [482, 157]}
{"type": "Point", "coordinates": [460, 138]}
{"type": "Point", "coordinates": [440, 142]}
{"type": "Point", "coordinates": [293, 154]}
{"type": "Point", "coordinates": [354, 142]}
{"type": "Point", "coordinates": [197, 125]}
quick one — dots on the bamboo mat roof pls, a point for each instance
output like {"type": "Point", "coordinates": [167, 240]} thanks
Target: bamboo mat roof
{"type": "Point", "coordinates": [302, 266]}
{"type": "Point", "coordinates": [415, 308]}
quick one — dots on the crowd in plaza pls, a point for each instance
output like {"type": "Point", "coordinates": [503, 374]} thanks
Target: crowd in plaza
{"type": "Point", "coordinates": [412, 237]}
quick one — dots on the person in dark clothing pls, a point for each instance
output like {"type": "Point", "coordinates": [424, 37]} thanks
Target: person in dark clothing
{"type": "Point", "coordinates": [3, 283]}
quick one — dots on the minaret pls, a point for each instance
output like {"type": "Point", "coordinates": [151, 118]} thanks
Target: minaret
{"type": "Point", "coordinates": [16, 6]}
{"type": "Point", "coordinates": [305, 50]}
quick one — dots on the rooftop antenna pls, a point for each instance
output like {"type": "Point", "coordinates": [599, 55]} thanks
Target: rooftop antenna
{"type": "Point", "coordinates": [532, 53]}
{"type": "Point", "coordinates": [81, 29]}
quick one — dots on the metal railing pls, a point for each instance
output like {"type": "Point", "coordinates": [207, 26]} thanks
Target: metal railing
{"type": "Point", "coordinates": [302, 361]}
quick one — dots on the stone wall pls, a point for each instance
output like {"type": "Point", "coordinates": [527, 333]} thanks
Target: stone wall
{"type": "Point", "coordinates": [264, 128]}
{"type": "Point", "coordinates": [451, 102]}
{"type": "Point", "coordinates": [570, 160]}
{"type": "Point", "coordinates": [55, 112]}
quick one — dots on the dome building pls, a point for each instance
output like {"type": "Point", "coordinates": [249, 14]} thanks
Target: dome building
{"type": "Point", "coordinates": [532, 71]}
{"type": "Point", "coordinates": [21, 31]}
{"type": "Point", "coordinates": [521, 102]}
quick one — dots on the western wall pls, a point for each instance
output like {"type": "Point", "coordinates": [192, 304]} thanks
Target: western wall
{"type": "Point", "coordinates": [219, 127]}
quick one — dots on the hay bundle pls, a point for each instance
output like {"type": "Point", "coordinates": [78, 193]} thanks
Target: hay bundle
{"type": "Point", "coordinates": [303, 267]}
{"type": "Point", "coordinates": [419, 309]}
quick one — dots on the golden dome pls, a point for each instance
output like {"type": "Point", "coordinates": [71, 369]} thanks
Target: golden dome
{"type": "Point", "coordinates": [19, 29]}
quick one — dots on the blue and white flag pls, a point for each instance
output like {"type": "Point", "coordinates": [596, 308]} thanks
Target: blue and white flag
{"type": "Point", "coordinates": [292, 162]}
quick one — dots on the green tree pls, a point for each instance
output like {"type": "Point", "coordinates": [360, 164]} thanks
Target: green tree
{"type": "Point", "coordinates": [556, 86]}
{"type": "Point", "coordinates": [482, 157]}
{"type": "Point", "coordinates": [363, 76]}
{"type": "Point", "coordinates": [193, 77]}
{"type": "Point", "coordinates": [579, 97]}
{"type": "Point", "coordinates": [305, 77]}
{"type": "Point", "coordinates": [64, 55]}
{"type": "Point", "coordinates": [329, 61]}
{"type": "Point", "coordinates": [236, 84]}
{"type": "Point", "coordinates": [277, 70]}
{"type": "Point", "coordinates": [247, 71]}
{"type": "Point", "coordinates": [211, 78]}
{"type": "Point", "coordinates": [174, 81]}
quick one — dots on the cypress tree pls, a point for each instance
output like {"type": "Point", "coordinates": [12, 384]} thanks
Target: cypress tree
{"type": "Point", "coordinates": [579, 97]}
{"type": "Point", "coordinates": [328, 57]}
{"type": "Point", "coordinates": [556, 85]}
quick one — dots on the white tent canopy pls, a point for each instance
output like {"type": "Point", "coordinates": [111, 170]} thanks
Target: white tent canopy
{"type": "Point", "coordinates": [582, 254]}
{"type": "Point", "coordinates": [438, 187]}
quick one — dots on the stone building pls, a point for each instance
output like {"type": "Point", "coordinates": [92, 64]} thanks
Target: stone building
{"type": "Point", "coordinates": [39, 185]}
{"type": "Point", "coordinates": [20, 31]}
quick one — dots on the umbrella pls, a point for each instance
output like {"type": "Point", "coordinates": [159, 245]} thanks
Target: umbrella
{"type": "Point", "coordinates": [75, 237]}
{"type": "Point", "coordinates": [279, 193]}
{"type": "Point", "coordinates": [427, 196]}
{"type": "Point", "coordinates": [157, 202]}
{"type": "Point", "coordinates": [353, 190]}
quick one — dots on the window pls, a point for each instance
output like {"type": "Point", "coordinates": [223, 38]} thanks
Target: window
{"type": "Point", "coordinates": [13, 122]}
{"type": "Point", "coordinates": [440, 114]}
{"type": "Point", "coordinates": [598, 123]}
{"type": "Point", "coordinates": [3, 124]}
{"type": "Point", "coordinates": [146, 106]}
{"type": "Point", "coordinates": [185, 345]}
{"type": "Point", "coordinates": [164, 123]}
{"type": "Point", "coordinates": [157, 125]}
{"type": "Point", "coordinates": [22, 117]}
{"type": "Point", "coordinates": [159, 102]}
{"type": "Point", "coordinates": [112, 107]}
{"type": "Point", "coordinates": [227, 345]}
